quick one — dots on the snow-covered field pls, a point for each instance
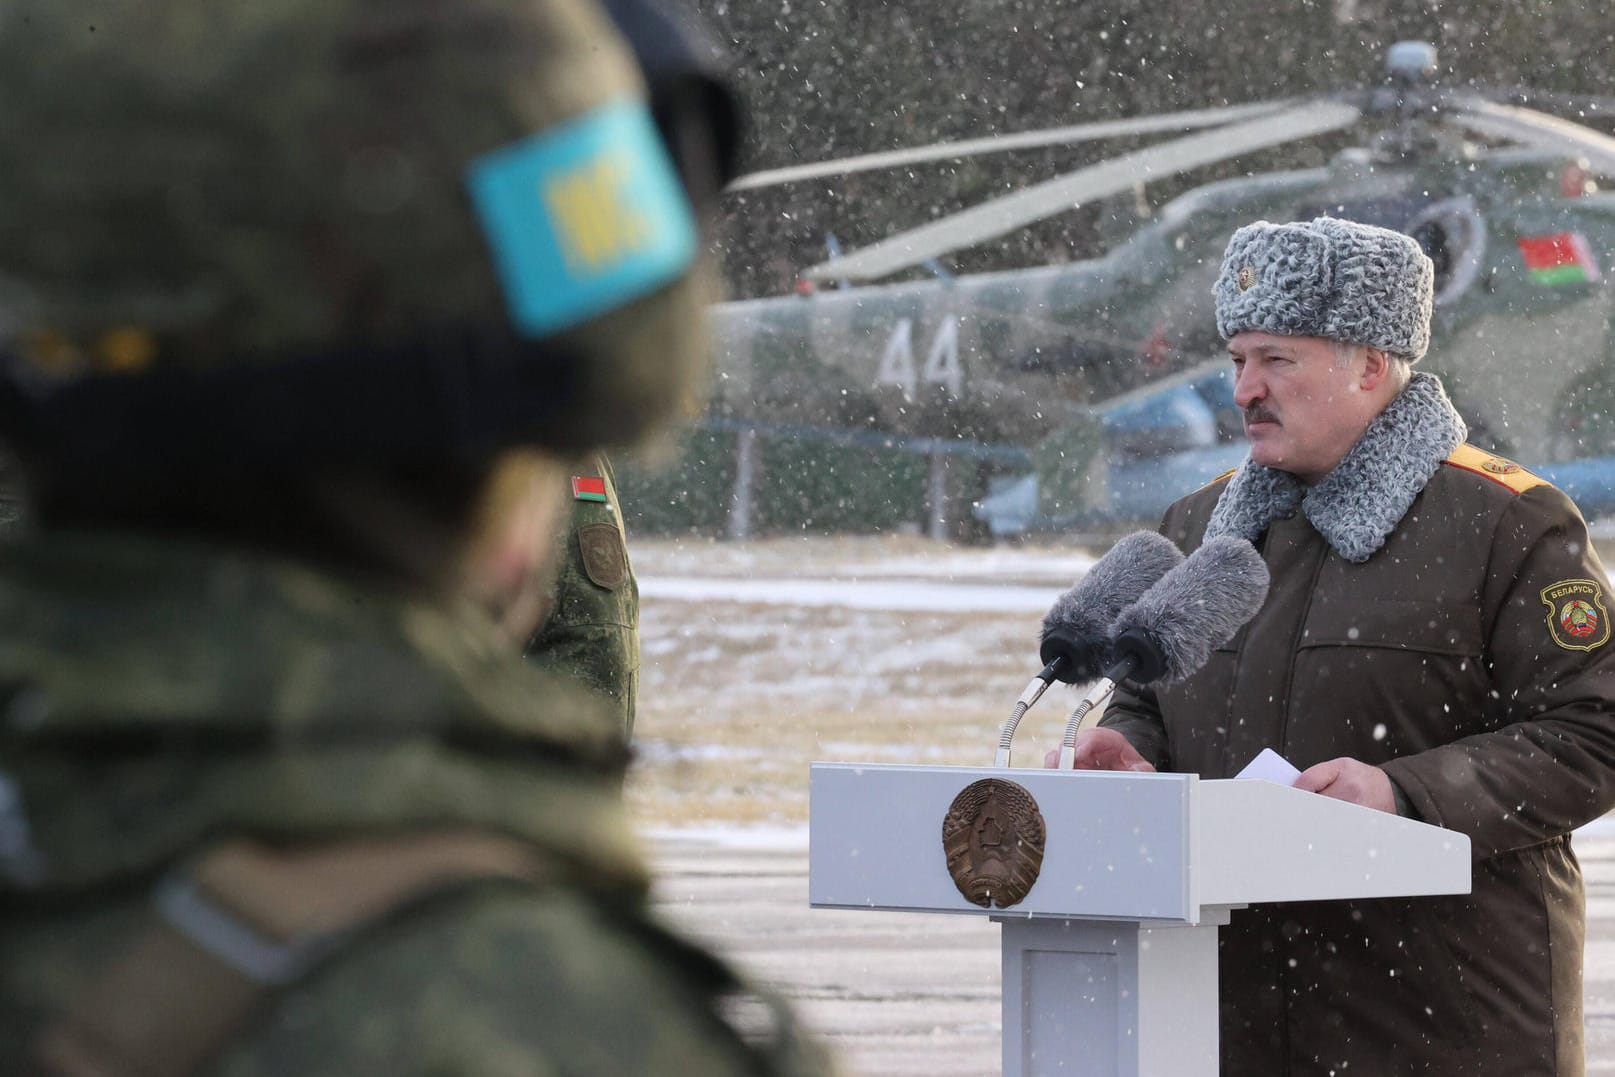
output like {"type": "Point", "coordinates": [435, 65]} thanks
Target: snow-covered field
{"type": "Point", "coordinates": [758, 659]}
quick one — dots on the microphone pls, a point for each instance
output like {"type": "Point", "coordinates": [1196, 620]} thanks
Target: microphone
{"type": "Point", "coordinates": [1077, 630]}
{"type": "Point", "coordinates": [1076, 640]}
{"type": "Point", "coordinates": [1169, 633]}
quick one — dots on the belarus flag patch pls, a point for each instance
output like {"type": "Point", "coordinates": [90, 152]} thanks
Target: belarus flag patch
{"type": "Point", "coordinates": [586, 488]}
{"type": "Point", "coordinates": [1562, 258]}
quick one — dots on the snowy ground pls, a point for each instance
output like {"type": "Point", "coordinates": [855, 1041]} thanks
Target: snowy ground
{"type": "Point", "coordinates": [759, 659]}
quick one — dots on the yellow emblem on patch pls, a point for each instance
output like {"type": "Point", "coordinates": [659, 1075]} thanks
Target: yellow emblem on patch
{"type": "Point", "coordinates": [1577, 619]}
{"type": "Point", "coordinates": [1247, 277]}
{"type": "Point", "coordinates": [1501, 467]}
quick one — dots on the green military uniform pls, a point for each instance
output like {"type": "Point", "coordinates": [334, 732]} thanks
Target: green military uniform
{"type": "Point", "coordinates": [160, 695]}
{"type": "Point", "coordinates": [592, 632]}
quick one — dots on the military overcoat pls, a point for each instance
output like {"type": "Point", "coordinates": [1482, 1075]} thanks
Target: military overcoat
{"type": "Point", "coordinates": [1470, 658]}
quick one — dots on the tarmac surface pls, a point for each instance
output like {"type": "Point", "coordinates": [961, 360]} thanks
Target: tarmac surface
{"type": "Point", "coordinates": [900, 993]}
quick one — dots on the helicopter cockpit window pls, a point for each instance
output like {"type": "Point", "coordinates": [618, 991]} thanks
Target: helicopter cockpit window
{"type": "Point", "coordinates": [1453, 234]}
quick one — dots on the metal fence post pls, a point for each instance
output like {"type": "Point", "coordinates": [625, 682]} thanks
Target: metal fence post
{"type": "Point", "coordinates": [740, 501]}
{"type": "Point", "coordinates": [938, 529]}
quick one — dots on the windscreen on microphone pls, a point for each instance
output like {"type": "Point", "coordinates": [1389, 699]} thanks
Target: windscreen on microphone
{"type": "Point", "coordinates": [1078, 626]}
{"type": "Point", "coordinates": [1196, 607]}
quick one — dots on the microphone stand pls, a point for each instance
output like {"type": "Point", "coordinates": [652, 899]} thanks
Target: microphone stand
{"type": "Point", "coordinates": [1096, 695]}
{"type": "Point", "coordinates": [1034, 692]}
{"type": "Point", "coordinates": [1137, 656]}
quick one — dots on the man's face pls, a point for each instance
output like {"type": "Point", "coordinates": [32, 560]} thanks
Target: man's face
{"type": "Point", "coordinates": [1303, 410]}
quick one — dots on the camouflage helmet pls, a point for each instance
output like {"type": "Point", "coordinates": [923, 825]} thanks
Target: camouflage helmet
{"type": "Point", "coordinates": [319, 229]}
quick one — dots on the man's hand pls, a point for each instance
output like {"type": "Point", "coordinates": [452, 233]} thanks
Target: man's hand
{"type": "Point", "coordinates": [1350, 780]}
{"type": "Point", "coordinates": [1102, 749]}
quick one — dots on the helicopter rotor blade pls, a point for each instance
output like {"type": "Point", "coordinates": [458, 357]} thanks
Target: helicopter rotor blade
{"type": "Point", "coordinates": [1541, 130]}
{"type": "Point", "coordinates": [1000, 215]}
{"type": "Point", "coordinates": [1585, 107]}
{"type": "Point", "coordinates": [1054, 136]}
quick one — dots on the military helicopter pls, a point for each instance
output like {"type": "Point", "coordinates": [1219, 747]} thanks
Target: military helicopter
{"type": "Point", "coordinates": [1108, 373]}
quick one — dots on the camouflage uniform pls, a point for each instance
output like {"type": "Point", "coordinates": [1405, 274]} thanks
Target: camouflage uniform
{"type": "Point", "coordinates": [278, 794]}
{"type": "Point", "coordinates": [160, 694]}
{"type": "Point", "coordinates": [592, 632]}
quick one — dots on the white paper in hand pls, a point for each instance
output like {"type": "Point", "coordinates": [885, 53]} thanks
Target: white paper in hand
{"type": "Point", "coordinates": [1270, 766]}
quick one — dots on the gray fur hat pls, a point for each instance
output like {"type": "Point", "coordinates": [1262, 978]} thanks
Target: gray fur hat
{"type": "Point", "coordinates": [1328, 278]}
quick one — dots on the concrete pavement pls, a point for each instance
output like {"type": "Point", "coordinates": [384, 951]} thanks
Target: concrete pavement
{"type": "Point", "coordinates": [903, 994]}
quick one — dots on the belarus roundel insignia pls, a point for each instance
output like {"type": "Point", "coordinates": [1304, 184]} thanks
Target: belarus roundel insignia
{"type": "Point", "coordinates": [1577, 619]}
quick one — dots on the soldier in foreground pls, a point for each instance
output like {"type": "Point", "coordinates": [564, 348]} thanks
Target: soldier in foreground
{"type": "Point", "coordinates": [306, 310]}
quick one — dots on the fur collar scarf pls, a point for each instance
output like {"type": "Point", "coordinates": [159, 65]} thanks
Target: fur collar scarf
{"type": "Point", "coordinates": [1358, 504]}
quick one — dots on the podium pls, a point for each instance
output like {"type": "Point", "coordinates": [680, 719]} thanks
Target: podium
{"type": "Point", "coordinates": [1110, 958]}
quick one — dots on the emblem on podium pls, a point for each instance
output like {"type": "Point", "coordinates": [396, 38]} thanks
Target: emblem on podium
{"type": "Point", "coordinates": [993, 837]}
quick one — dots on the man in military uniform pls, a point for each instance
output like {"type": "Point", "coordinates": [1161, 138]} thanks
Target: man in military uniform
{"type": "Point", "coordinates": [1435, 643]}
{"type": "Point", "coordinates": [306, 310]}
{"type": "Point", "coordinates": [591, 633]}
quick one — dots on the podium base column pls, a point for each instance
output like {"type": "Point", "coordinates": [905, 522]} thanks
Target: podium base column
{"type": "Point", "coordinates": [1103, 998]}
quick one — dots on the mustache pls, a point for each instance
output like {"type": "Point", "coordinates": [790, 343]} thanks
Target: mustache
{"type": "Point", "coordinates": [1256, 413]}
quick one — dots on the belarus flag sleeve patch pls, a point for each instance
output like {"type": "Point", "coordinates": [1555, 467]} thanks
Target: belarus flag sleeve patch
{"type": "Point", "coordinates": [588, 488]}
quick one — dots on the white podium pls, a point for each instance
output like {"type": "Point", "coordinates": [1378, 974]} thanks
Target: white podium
{"type": "Point", "coordinates": [1110, 960]}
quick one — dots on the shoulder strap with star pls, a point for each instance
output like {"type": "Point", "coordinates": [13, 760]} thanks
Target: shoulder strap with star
{"type": "Point", "coordinates": [1501, 471]}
